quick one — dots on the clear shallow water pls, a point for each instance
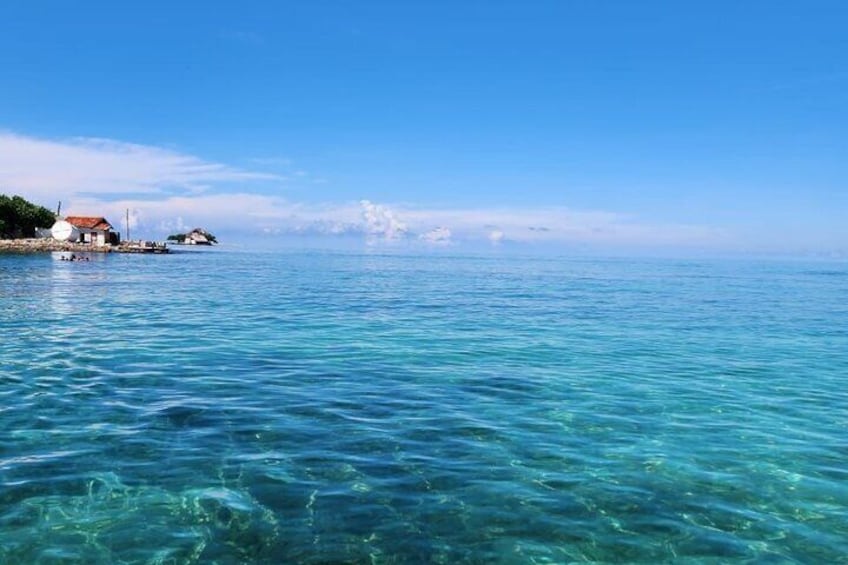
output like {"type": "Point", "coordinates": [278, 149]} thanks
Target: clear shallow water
{"type": "Point", "coordinates": [243, 407]}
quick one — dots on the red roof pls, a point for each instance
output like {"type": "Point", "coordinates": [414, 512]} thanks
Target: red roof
{"type": "Point", "coordinates": [89, 222]}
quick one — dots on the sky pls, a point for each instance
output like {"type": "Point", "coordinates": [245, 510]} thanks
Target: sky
{"type": "Point", "coordinates": [573, 125]}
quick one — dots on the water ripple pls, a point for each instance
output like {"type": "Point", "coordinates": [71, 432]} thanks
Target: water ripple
{"type": "Point", "coordinates": [383, 408]}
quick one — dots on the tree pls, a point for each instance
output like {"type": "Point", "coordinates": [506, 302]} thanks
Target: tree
{"type": "Point", "coordinates": [19, 218]}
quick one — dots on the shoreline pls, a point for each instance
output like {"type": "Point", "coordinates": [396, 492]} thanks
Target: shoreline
{"type": "Point", "coordinates": [46, 245]}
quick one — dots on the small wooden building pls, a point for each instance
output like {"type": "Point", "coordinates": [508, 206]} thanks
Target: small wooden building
{"type": "Point", "coordinates": [94, 229]}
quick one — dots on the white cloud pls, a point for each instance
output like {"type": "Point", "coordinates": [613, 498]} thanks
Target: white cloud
{"type": "Point", "coordinates": [440, 236]}
{"type": "Point", "coordinates": [168, 191]}
{"type": "Point", "coordinates": [235, 212]}
{"type": "Point", "coordinates": [46, 169]}
{"type": "Point", "coordinates": [381, 223]}
{"type": "Point", "coordinates": [552, 225]}
{"type": "Point", "coordinates": [176, 225]}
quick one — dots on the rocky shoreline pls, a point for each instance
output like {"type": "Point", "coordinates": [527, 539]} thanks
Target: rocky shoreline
{"type": "Point", "coordinates": [47, 245]}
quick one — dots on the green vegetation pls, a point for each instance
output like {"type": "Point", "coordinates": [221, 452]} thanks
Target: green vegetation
{"type": "Point", "coordinates": [19, 218]}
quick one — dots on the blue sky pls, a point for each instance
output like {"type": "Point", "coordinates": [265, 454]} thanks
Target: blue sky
{"type": "Point", "coordinates": [569, 124]}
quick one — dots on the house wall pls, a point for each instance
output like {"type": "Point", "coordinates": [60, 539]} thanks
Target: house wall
{"type": "Point", "coordinates": [94, 237]}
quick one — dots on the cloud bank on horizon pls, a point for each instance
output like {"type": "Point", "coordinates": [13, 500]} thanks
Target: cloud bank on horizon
{"type": "Point", "coordinates": [167, 190]}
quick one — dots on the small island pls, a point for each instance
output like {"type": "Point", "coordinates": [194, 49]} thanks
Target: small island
{"type": "Point", "coordinates": [197, 236]}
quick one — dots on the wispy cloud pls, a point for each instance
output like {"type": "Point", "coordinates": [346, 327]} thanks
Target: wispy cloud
{"type": "Point", "coordinates": [495, 237]}
{"type": "Point", "coordinates": [46, 169]}
{"type": "Point", "coordinates": [440, 236]}
{"type": "Point", "coordinates": [168, 191]}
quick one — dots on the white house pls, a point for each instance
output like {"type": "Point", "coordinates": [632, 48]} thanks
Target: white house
{"type": "Point", "coordinates": [94, 230]}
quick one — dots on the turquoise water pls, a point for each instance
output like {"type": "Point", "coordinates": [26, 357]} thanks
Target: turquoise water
{"type": "Point", "coordinates": [238, 407]}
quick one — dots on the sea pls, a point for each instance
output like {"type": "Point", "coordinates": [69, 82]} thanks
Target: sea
{"type": "Point", "coordinates": [238, 406]}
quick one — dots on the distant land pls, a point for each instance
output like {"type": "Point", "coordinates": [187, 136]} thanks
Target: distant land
{"type": "Point", "coordinates": [28, 228]}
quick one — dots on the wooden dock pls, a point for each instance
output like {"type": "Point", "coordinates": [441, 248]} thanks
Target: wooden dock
{"type": "Point", "coordinates": [142, 247]}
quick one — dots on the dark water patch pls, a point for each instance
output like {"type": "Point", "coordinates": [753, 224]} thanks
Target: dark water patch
{"type": "Point", "coordinates": [826, 273]}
